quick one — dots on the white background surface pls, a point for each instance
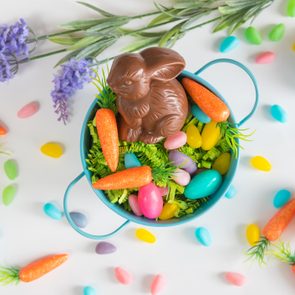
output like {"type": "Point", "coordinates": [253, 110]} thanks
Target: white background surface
{"type": "Point", "coordinates": [26, 233]}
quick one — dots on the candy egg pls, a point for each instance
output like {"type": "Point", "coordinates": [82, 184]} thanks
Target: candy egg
{"type": "Point", "coordinates": [79, 219]}
{"type": "Point", "coordinates": [229, 43]}
{"type": "Point", "coordinates": [105, 248]}
{"type": "Point", "coordinates": [281, 198]}
{"type": "Point", "coordinates": [291, 8]}
{"type": "Point", "coordinates": [169, 211]}
{"type": "Point", "coordinates": [11, 169]}
{"type": "Point", "coordinates": [3, 129]}
{"type": "Point", "coordinates": [235, 278]}
{"type": "Point", "coordinates": [163, 190]}
{"type": "Point", "coordinates": [210, 135]}
{"type": "Point", "coordinates": [175, 141]}
{"type": "Point", "coordinates": [145, 235]}
{"type": "Point", "coordinates": [88, 290]}
{"type": "Point", "coordinates": [194, 138]}
{"type": "Point", "coordinates": [52, 149]}
{"type": "Point", "coordinates": [133, 202]}
{"type": "Point", "coordinates": [158, 284]}
{"type": "Point", "coordinates": [150, 201]}
{"type": "Point", "coordinates": [123, 276]}
{"type": "Point", "coordinates": [222, 163]}
{"type": "Point", "coordinates": [130, 160]}
{"type": "Point", "coordinates": [181, 177]}
{"type": "Point", "coordinates": [8, 194]}
{"type": "Point", "coordinates": [199, 114]}
{"type": "Point", "coordinates": [277, 32]}
{"type": "Point", "coordinates": [51, 210]}
{"type": "Point", "coordinates": [252, 234]}
{"type": "Point", "coordinates": [278, 113]}
{"type": "Point", "coordinates": [265, 57]}
{"type": "Point", "coordinates": [182, 161]}
{"type": "Point", "coordinates": [260, 163]}
{"type": "Point", "coordinates": [28, 110]}
{"type": "Point", "coordinates": [253, 36]}
{"type": "Point", "coordinates": [202, 185]}
{"type": "Point", "coordinates": [203, 236]}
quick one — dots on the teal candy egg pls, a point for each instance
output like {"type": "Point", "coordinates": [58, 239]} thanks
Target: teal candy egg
{"type": "Point", "coordinates": [130, 160]}
{"type": "Point", "coordinates": [281, 198]}
{"type": "Point", "coordinates": [88, 290]}
{"type": "Point", "coordinates": [51, 210]}
{"type": "Point", "coordinates": [229, 43]}
{"type": "Point", "coordinates": [203, 184]}
{"type": "Point", "coordinates": [278, 113]}
{"type": "Point", "coordinates": [203, 236]}
{"type": "Point", "coordinates": [199, 114]}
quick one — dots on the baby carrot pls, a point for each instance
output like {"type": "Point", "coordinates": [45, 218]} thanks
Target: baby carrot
{"type": "Point", "coordinates": [128, 178]}
{"type": "Point", "coordinates": [32, 271]}
{"type": "Point", "coordinates": [207, 101]}
{"type": "Point", "coordinates": [107, 130]}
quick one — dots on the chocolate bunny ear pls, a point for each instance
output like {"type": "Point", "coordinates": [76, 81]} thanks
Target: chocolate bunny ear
{"type": "Point", "coordinates": [163, 63]}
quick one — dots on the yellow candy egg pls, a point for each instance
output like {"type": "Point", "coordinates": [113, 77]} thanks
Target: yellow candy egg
{"type": "Point", "coordinates": [210, 135]}
{"type": "Point", "coordinates": [52, 149]}
{"type": "Point", "coordinates": [252, 234]}
{"type": "Point", "coordinates": [145, 235]}
{"type": "Point", "coordinates": [221, 164]}
{"type": "Point", "coordinates": [194, 138]}
{"type": "Point", "coordinates": [169, 211]}
{"type": "Point", "coordinates": [260, 163]}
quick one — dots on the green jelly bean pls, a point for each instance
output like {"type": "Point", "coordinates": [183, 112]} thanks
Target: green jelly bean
{"type": "Point", "coordinates": [11, 169]}
{"type": "Point", "coordinates": [291, 8]}
{"type": "Point", "coordinates": [253, 36]}
{"type": "Point", "coordinates": [8, 194]}
{"type": "Point", "coordinates": [277, 32]}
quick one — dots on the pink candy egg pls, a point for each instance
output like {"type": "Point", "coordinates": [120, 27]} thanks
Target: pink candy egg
{"type": "Point", "coordinates": [150, 201]}
{"type": "Point", "coordinates": [133, 202]}
{"type": "Point", "coordinates": [158, 284]}
{"type": "Point", "coordinates": [123, 276]}
{"type": "Point", "coordinates": [175, 141]}
{"type": "Point", "coordinates": [235, 278]}
{"type": "Point", "coordinates": [28, 110]}
{"type": "Point", "coordinates": [163, 191]}
{"type": "Point", "coordinates": [181, 177]}
{"type": "Point", "coordinates": [265, 57]}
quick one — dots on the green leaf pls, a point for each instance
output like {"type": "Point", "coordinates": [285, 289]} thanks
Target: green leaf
{"type": "Point", "coordinates": [67, 40]}
{"type": "Point", "coordinates": [141, 43]}
{"type": "Point", "coordinates": [109, 22]}
{"type": "Point", "coordinates": [81, 24]}
{"type": "Point", "coordinates": [86, 41]}
{"type": "Point", "coordinates": [160, 19]}
{"type": "Point", "coordinates": [97, 9]}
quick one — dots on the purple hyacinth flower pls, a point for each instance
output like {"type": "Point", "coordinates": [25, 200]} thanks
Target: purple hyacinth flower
{"type": "Point", "coordinates": [8, 67]}
{"type": "Point", "coordinates": [70, 78]}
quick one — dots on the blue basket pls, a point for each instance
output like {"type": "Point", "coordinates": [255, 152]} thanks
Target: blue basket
{"type": "Point", "coordinates": [85, 144]}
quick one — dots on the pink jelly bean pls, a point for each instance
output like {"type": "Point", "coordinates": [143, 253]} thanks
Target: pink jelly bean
{"type": "Point", "coordinates": [158, 284]}
{"type": "Point", "coordinates": [265, 57]}
{"type": "Point", "coordinates": [133, 202]}
{"type": "Point", "coordinates": [163, 191]}
{"type": "Point", "coordinates": [181, 177]}
{"type": "Point", "coordinates": [123, 276]}
{"type": "Point", "coordinates": [235, 278]}
{"type": "Point", "coordinates": [28, 110]}
{"type": "Point", "coordinates": [175, 141]}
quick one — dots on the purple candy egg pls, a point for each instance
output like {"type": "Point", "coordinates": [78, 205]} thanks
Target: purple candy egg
{"type": "Point", "coordinates": [105, 248]}
{"type": "Point", "coordinates": [183, 161]}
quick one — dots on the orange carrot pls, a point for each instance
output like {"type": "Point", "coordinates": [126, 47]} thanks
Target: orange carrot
{"type": "Point", "coordinates": [128, 178]}
{"type": "Point", "coordinates": [207, 101]}
{"type": "Point", "coordinates": [107, 130]}
{"type": "Point", "coordinates": [33, 270]}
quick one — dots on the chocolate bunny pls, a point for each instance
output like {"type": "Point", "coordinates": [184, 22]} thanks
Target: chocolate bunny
{"type": "Point", "coordinates": [151, 102]}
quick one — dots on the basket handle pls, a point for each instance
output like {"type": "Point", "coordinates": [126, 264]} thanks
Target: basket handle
{"type": "Point", "coordinates": [74, 226]}
{"type": "Point", "coordinates": [248, 72]}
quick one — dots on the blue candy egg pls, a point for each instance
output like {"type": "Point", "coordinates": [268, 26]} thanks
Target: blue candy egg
{"type": "Point", "coordinates": [281, 198]}
{"type": "Point", "coordinates": [130, 160]}
{"type": "Point", "coordinates": [88, 290]}
{"type": "Point", "coordinates": [79, 219]}
{"type": "Point", "coordinates": [199, 114]}
{"type": "Point", "coordinates": [231, 192]}
{"type": "Point", "coordinates": [203, 184]}
{"type": "Point", "coordinates": [278, 113]}
{"type": "Point", "coordinates": [229, 43]}
{"type": "Point", "coordinates": [51, 210]}
{"type": "Point", "coordinates": [203, 236]}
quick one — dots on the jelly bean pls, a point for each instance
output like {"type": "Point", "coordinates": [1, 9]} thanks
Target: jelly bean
{"type": "Point", "coordinates": [291, 8]}
{"type": "Point", "coordinates": [222, 163]}
{"type": "Point", "coordinates": [277, 32]}
{"type": "Point", "coordinates": [203, 236]}
{"type": "Point", "coordinates": [11, 170]}
{"type": "Point", "coordinates": [130, 160]}
{"type": "Point", "coordinates": [252, 234]}
{"type": "Point", "coordinates": [133, 202]}
{"type": "Point", "coordinates": [231, 192]}
{"type": "Point", "coordinates": [123, 276]}
{"type": "Point", "coordinates": [3, 130]}
{"type": "Point", "coordinates": [88, 290]}
{"type": "Point", "coordinates": [158, 284]}
{"type": "Point", "coordinates": [235, 278]}
{"type": "Point", "coordinates": [199, 114]}
{"type": "Point", "coordinates": [265, 57]}
{"type": "Point", "coordinates": [278, 113]}
{"type": "Point", "coordinates": [79, 219]}
{"type": "Point", "coordinates": [52, 211]}
{"type": "Point", "coordinates": [163, 190]}
{"type": "Point", "coordinates": [252, 36]}
{"type": "Point", "coordinates": [182, 161]}
{"type": "Point", "coordinates": [281, 198]}
{"type": "Point", "coordinates": [28, 110]}
{"type": "Point", "coordinates": [194, 138]}
{"type": "Point", "coordinates": [105, 248]}
{"type": "Point", "coordinates": [210, 135]}
{"type": "Point", "coordinates": [52, 149]}
{"type": "Point", "coordinates": [145, 235]}
{"type": "Point", "coordinates": [260, 163]}
{"type": "Point", "coordinates": [169, 211]}
{"type": "Point", "coordinates": [181, 177]}
{"type": "Point", "coordinates": [293, 46]}
{"type": "Point", "coordinates": [8, 194]}
{"type": "Point", "coordinates": [229, 43]}
{"type": "Point", "coordinates": [175, 141]}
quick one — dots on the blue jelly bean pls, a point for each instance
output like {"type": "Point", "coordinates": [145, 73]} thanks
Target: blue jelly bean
{"type": "Point", "coordinates": [79, 219]}
{"type": "Point", "coordinates": [199, 114]}
{"type": "Point", "coordinates": [281, 198]}
{"type": "Point", "coordinates": [203, 236]}
{"type": "Point", "coordinates": [228, 44]}
{"type": "Point", "coordinates": [278, 113]}
{"type": "Point", "coordinates": [231, 192]}
{"type": "Point", "coordinates": [88, 290]}
{"type": "Point", "coordinates": [52, 211]}
{"type": "Point", "coordinates": [130, 160]}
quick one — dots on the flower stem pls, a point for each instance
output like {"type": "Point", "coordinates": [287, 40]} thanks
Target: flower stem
{"type": "Point", "coordinates": [45, 37]}
{"type": "Point", "coordinates": [42, 55]}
